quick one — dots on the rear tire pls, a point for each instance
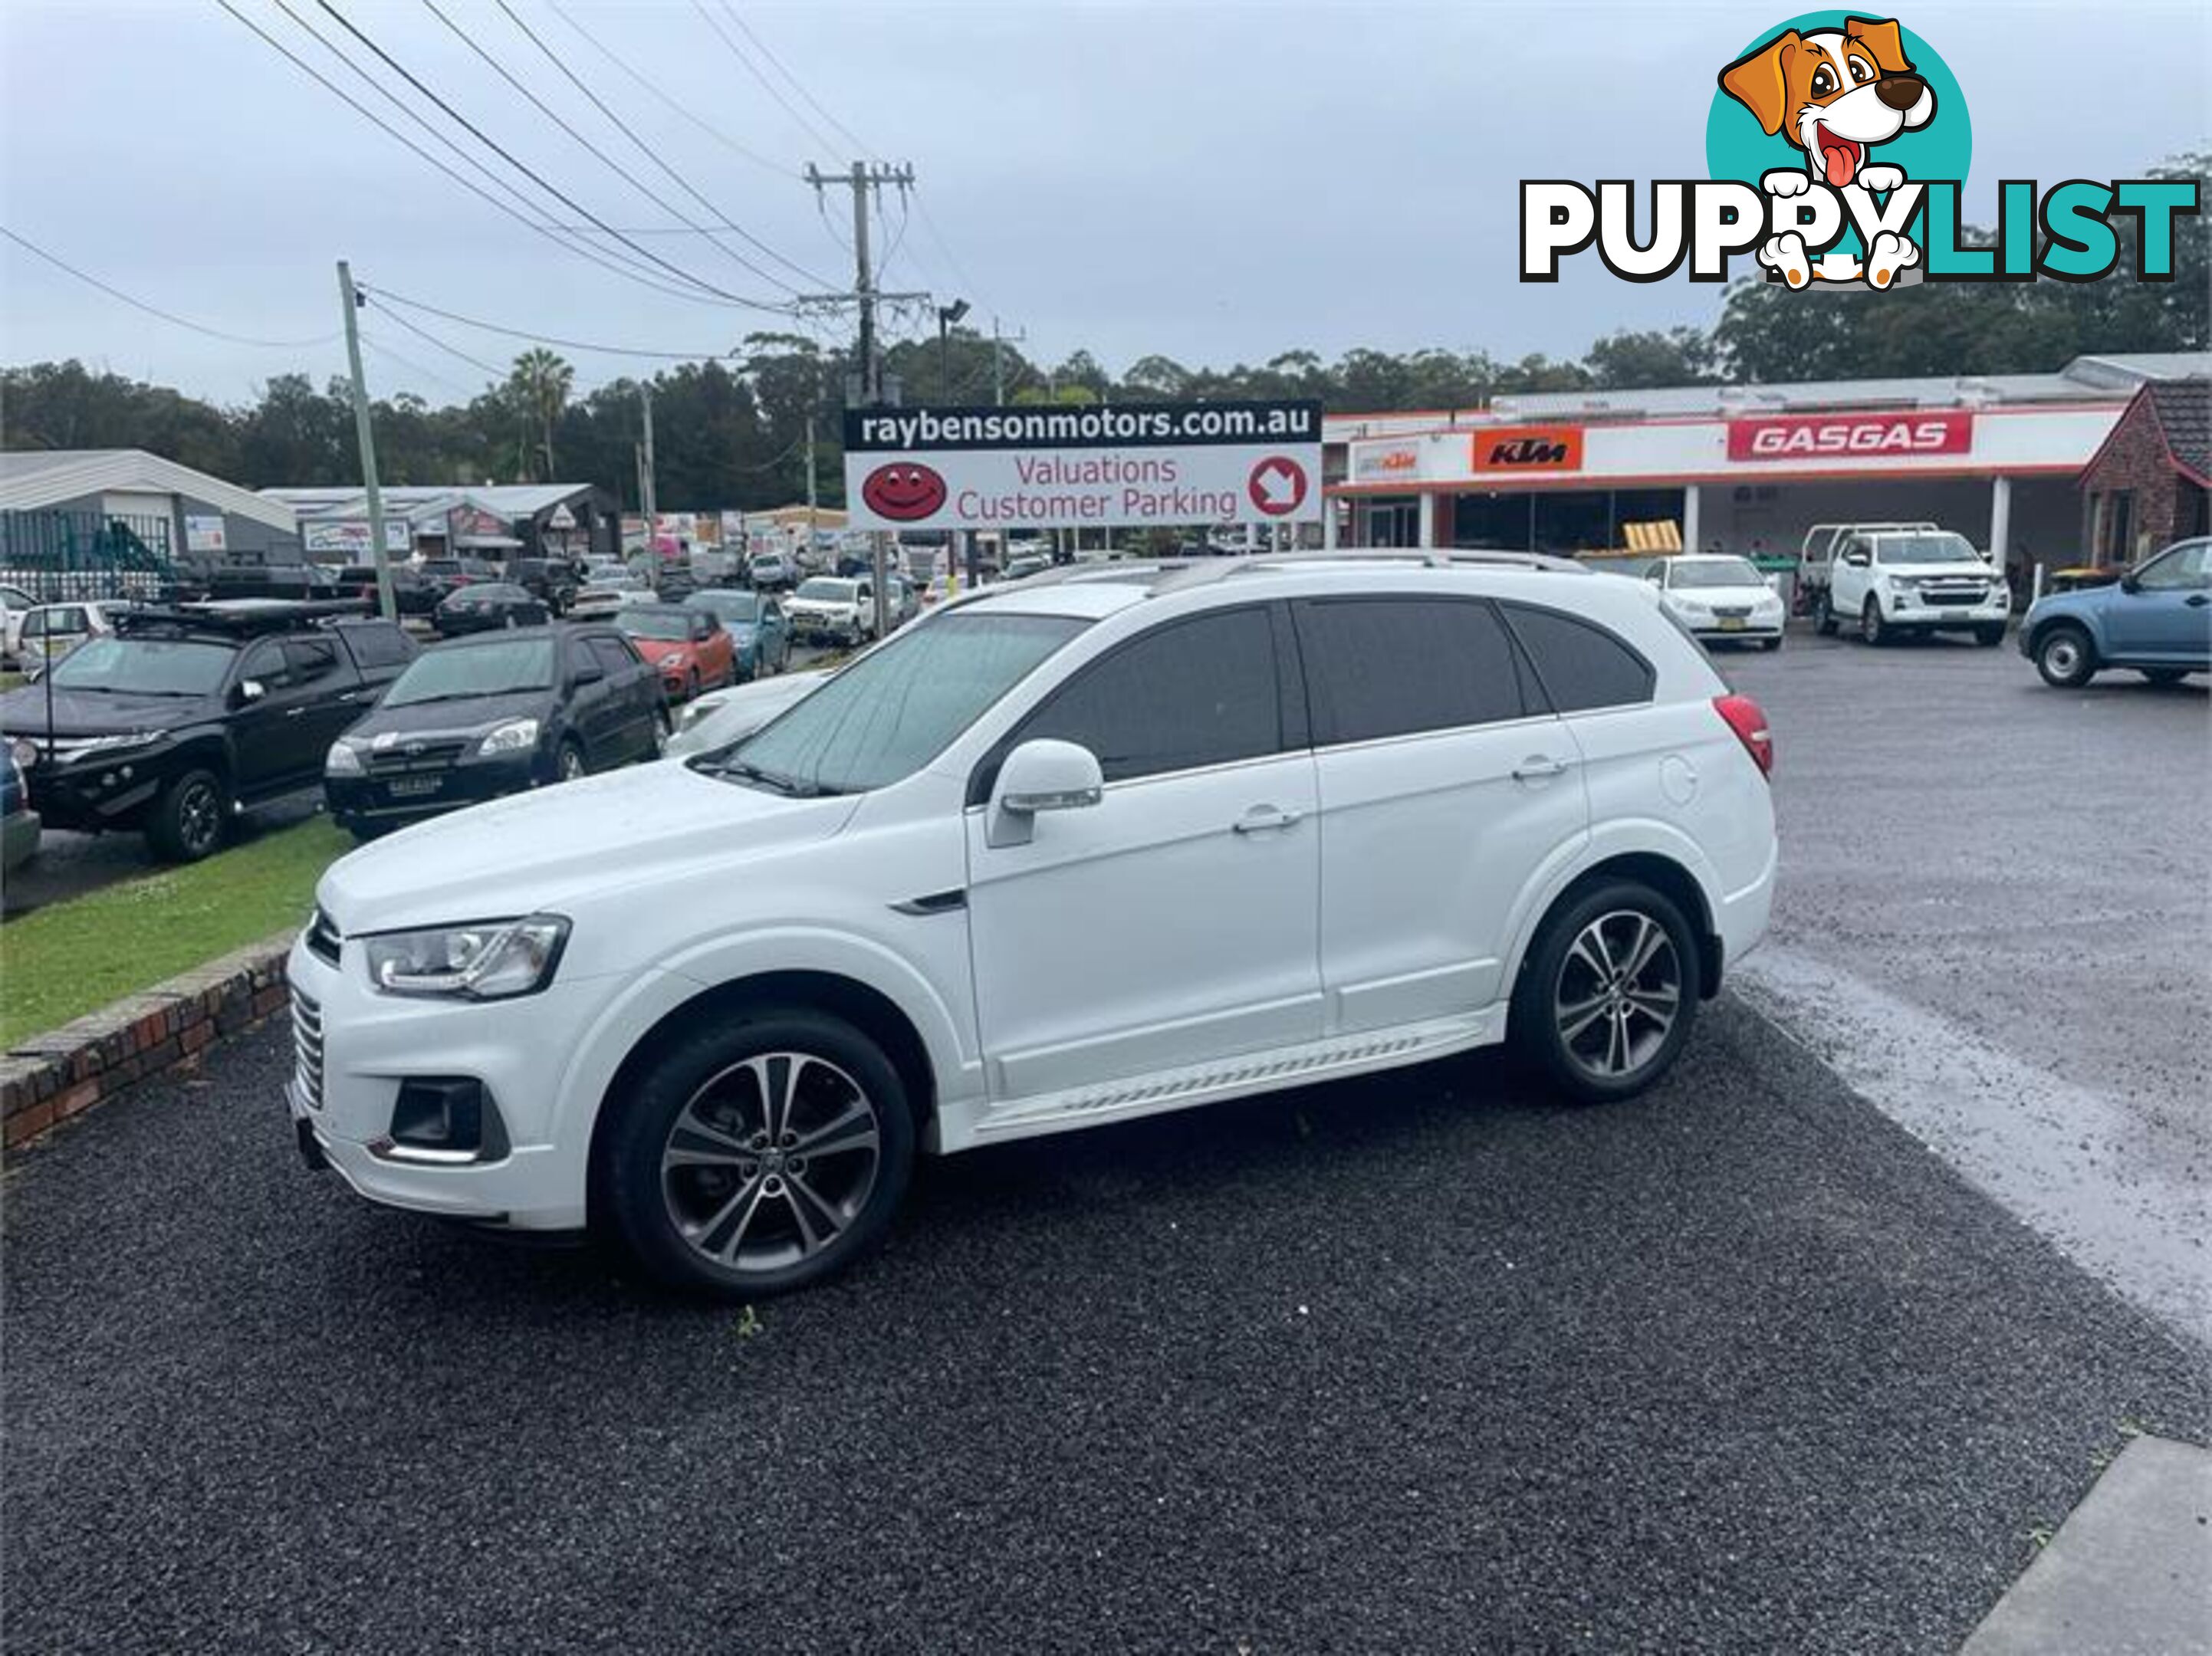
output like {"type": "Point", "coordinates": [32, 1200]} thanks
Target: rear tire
{"type": "Point", "coordinates": [2065, 658]}
{"type": "Point", "coordinates": [760, 1154]}
{"type": "Point", "coordinates": [190, 819]}
{"type": "Point", "coordinates": [1608, 992]}
{"type": "Point", "coordinates": [2165, 674]}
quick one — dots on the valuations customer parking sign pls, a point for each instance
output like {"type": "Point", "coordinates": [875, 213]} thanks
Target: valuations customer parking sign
{"type": "Point", "coordinates": [1121, 464]}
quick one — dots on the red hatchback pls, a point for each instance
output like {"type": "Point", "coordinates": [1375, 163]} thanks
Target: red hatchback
{"type": "Point", "coordinates": [689, 648]}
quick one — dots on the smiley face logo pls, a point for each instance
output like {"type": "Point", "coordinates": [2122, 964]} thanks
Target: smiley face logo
{"type": "Point", "coordinates": [902, 491]}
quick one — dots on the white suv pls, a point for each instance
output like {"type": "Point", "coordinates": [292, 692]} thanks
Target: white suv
{"type": "Point", "coordinates": [1115, 841]}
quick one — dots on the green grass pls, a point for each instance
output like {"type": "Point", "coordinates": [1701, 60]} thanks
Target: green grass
{"type": "Point", "coordinates": [71, 958]}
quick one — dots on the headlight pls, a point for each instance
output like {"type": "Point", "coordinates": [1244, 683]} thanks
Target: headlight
{"type": "Point", "coordinates": [343, 760]}
{"type": "Point", "coordinates": [85, 747]}
{"type": "Point", "coordinates": [24, 751]}
{"type": "Point", "coordinates": [513, 737]}
{"type": "Point", "coordinates": [491, 960]}
{"type": "Point", "coordinates": [672, 660]}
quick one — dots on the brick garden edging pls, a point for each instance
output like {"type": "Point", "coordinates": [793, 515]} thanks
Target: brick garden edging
{"type": "Point", "coordinates": [48, 1079]}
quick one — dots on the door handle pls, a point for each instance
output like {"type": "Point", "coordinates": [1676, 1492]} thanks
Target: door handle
{"type": "Point", "coordinates": [293, 712]}
{"type": "Point", "coordinates": [2197, 600]}
{"type": "Point", "coordinates": [1539, 766]}
{"type": "Point", "coordinates": [1265, 819]}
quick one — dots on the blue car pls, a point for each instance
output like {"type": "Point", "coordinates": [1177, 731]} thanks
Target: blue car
{"type": "Point", "coordinates": [2155, 619]}
{"type": "Point", "coordinates": [756, 625]}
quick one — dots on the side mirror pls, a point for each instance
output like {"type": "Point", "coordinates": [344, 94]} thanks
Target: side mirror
{"type": "Point", "coordinates": [251, 689]}
{"type": "Point", "coordinates": [1037, 776]}
{"type": "Point", "coordinates": [590, 673]}
{"type": "Point", "coordinates": [2131, 582]}
{"type": "Point", "coordinates": [1856, 560]}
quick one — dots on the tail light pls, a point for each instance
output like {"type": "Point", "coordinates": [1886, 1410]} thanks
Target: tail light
{"type": "Point", "coordinates": [1749, 721]}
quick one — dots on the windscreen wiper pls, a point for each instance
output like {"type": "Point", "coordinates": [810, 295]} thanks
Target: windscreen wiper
{"type": "Point", "coordinates": [794, 787]}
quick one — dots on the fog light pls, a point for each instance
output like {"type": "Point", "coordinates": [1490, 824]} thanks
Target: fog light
{"type": "Point", "coordinates": [446, 1118]}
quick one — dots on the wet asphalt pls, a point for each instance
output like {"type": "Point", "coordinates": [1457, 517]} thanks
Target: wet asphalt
{"type": "Point", "coordinates": [1422, 1362]}
{"type": "Point", "coordinates": [1993, 918]}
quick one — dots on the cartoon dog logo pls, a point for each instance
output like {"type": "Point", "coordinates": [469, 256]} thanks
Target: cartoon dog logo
{"type": "Point", "coordinates": [1835, 93]}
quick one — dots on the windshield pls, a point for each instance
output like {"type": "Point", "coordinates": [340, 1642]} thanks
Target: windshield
{"type": "Point", "coordinates": [667, 624]}
{"type": "Point", "coordinates": [1944, 548]}
{"type": "Point", "coordinates": [895, 708]}
{"type": "Point", "coordinates": [501, 669]}
{"type": "Point", "coordinates": [729, 608]}
{"type": "Point", "coordinates": [1716, 572]}
{"type": "Point", "coordinates": [145, 666]}
{"type": "Point", "coordinates": [829, 589]}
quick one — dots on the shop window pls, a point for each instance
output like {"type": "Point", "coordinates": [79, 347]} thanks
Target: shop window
{"type": "Point", "coordinates": [2116, 544]}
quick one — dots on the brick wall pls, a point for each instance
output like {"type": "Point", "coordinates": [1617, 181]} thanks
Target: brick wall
{"type": "Point", "coordinates": [51, 1078]}
{"type": "Point", "coordinates": [2135, 459]}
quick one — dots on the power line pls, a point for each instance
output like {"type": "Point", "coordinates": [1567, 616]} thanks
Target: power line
{"type": "Point", "coordinates": [137, 304]}
{"type": "Point", "coordinates": [385, 296]}
{"type": "Point", "coordinates": [425, 335]}
{"type": "Point", "coordinates": [661, 97]}
{"type": "Point", "coordinates": [647, 151]}
{"type": "Point", "coordinates": [844, 131]}
{"type": "Point", "coordinates": [768, 86]}
{"type": "Point", "coordinates": [607, 260]}
{"type": "Point", "coordinates": [575, 205]}
{"type": "Point", "coordinates": [410, 365]}
{"type": "Point", "coordinates": [601, 155]}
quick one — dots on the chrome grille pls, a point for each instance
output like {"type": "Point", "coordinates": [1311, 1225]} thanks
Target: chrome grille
{"type": "Point", "coordinates": [415, 756]}
{"type": "Point", "coordinates": [307, 1048]}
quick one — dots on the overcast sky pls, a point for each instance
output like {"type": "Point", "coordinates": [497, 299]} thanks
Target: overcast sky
{"type": "Point", "coordinates": [1217, 182]}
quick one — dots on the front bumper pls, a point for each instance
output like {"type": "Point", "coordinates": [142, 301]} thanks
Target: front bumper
{"type": "Point", "coordinates": [369, 1045]}
{"type": "Point", "coordinates": [411, 797]}
{"type": "Point", "coordinates": [92, 796]}
{"type": "Point", "coordinates": [1715, 630]}
{"type": "Point", "coordinates": [1914, 613]}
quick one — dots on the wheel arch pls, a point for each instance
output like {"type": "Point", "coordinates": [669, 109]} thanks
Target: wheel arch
{"type": "Point", "coordinates": [2080, 623]}
{"type": "Point", "coordinates": [1660, 870]}
{"type": "Point", "coordinates": [863, 1005]}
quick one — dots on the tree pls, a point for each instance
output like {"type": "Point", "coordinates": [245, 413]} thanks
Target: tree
{"type": "Point", "coordinates": [539, 388]}
{"type": "Point", "coordinates": [1630, 361]}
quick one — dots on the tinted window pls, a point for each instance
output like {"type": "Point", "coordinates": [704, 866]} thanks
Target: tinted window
{"type": "Point", "coordinates": [265, 662]}
{"type": "Point", "coordinates": [615, 656]}
{"type": "Point", "coordinates": [311, 658]}
{"type": "Point", "coordinates": [378, 646]}
{"type": "Point", "coordinates": [1380, 667]}
{"type": "Point", "coordinates": [1196, 692]}
{"type": "Point", "coordinates": [1581, 664]}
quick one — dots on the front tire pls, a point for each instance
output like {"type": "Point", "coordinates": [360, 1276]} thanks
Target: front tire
{"type": "Point", "coordinates": [189, 821]}
{"type": "Point", "coordinates": [1824, 615]}
{"type": "Point", "coordinates": [1770, 645]}
{"type": "Point", "coordinates": [761, 1155]}
{"type": "Point", "coordinates": [569, 764]}
{"type": "Point", "coordinates": [1872, 628]}
{"type": "Point", "coordinates": [1608, 992]}
{"type": "Point", "coordinates": [1990, 637]}
{"type": "Point", "coordinates": [2066, 659]}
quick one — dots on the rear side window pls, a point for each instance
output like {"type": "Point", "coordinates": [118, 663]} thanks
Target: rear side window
{"type": "Point", "coordinates": [378, 646]}
{"type": "Point", "coordinates": [1380, 667]}
{"type": "Point", "coordinates": [1581, 664]}
{"type": "Point", "coordinates": [1192, 693]}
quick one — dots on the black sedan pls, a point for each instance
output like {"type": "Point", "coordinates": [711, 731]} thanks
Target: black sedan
{"type": "Point", "coordinates": [486, 606]}
{"type": "Point", "coordinates": [483, 717]}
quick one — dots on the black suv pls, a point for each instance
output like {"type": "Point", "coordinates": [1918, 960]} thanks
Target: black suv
{"type": "Point", "coordinates": [188, 715]}
{"type": "Point", "coordinates": [413, 593]}
{"type": "Point", "coordinates": [551, 581]}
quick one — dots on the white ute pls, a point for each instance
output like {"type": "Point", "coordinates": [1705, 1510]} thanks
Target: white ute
{"type": "Point", "coordinates": [1888, 581]}
{"type": "Point", "coordinates": [1114, 841]}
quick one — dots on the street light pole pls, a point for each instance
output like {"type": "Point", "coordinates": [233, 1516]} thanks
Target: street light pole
{"type": "Point", "coordinates": [946, 316]}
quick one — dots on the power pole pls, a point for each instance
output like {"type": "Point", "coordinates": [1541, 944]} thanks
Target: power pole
{"type": "Point", "coordinates": [349, 299]}
{"type": "Point", "coordinates": [812, 498]}
{"type": "Point", "coordinates": [866, 181]}
{"type": "Point", "coordinates": [648, 496]}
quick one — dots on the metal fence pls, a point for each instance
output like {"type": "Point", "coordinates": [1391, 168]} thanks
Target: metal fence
{"type": "Point", "coordinates": [57, 556]}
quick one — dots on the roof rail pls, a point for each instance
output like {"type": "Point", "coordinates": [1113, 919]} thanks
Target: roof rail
{"type": "Point", "coordinates": [1201, 572]}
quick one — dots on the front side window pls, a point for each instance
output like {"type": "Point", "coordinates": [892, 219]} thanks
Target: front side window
{"type": "Point", "coordinates": [615, 656]}
{"type": "Point", "coordinates": [1580, 663]}
{"type": "Point", "coordinates": [501, 669]}
{"type": "Point", "coordinates": [1198, 692]}
{"type": "Point", "coordinates": [1383, 667]}
{"type": "Point", "coordinates": [2186, 567]}
{"type": "Point", "coordinates": [311, 658]}
{"type": "Point", "coordinates": [897, 707]}
{"type": "Point", "coordinates": [264, 665]}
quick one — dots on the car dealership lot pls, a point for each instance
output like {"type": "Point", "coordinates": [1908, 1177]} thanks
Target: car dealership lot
{"type": "Point", "coordinates": [1420, 1361]}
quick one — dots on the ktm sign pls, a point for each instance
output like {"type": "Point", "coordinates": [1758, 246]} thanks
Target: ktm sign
{"type": "Point", "coordinates": [1853, 436]}
{"type": "Point", "coordinates": [1529, 448]}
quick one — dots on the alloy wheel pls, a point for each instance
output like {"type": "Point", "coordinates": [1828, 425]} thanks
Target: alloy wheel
{"type": "Point", "coordinates": [1619, 994]}
{"type": "Point", "coordinates": [769, 1162]}
{"type": "Point", "coordinates": [199, 818]}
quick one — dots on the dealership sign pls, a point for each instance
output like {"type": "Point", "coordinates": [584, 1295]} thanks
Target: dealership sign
{"type": "Point", "coordinates": [350, 536]}
{"type": "Point", "coordinates": [1851, 436]}
{"type": "Point", "coordinates": [1529, 448]}
{"type": "Point", "coordinates": [1386, 462]}
{"type": "Point", "coordinates": [1140, 464]}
